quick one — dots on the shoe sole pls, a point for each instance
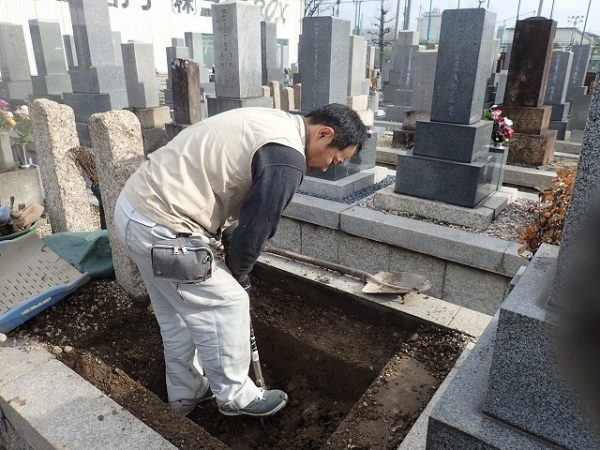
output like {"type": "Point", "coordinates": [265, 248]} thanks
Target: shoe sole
{"type": "Point", "coordinates": [241, 413]}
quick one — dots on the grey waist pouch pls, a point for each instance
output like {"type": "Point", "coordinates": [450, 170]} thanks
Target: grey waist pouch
{"type": "Point", "coordinates": [185, 259]}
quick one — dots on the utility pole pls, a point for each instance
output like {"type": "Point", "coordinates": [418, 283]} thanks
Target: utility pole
{"type": "Point", "coordinates": [429, 21]}
{"type": "Point", "coordinates": [585, 23]}
{"type": "Point", "coordinates": [540, 8]}
{"type": "Point", "coordinates": [518, 9]}
{"type": "Point", "coordinates": [397, 19]}
{"type": "Point", "coordinates": [407, 5]}
{"type": "Point", "coordinates": [552, 9]}
{"type": "Point", "coordinates": [574, 20]}
{"type": "Point", "coordinates": [458, 6]}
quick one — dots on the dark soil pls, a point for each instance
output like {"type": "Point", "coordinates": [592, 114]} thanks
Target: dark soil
{"type": "Point", "coordinates": [326, 360]}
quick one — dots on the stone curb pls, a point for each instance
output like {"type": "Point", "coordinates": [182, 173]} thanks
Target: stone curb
{"type": "Point", "coordinates": [525, 176]}
{"type": "Point", "coordinates": [463, 247]}
{"type": "Point", "coordinates": [420, 306]}
{"type": "Point", "coordinates": [51, 406]}
{"type": "Point", "coordinates": [567, 147]}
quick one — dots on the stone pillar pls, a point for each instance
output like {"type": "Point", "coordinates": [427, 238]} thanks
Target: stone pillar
{"type": "Point", "coordinates": [185, 74]}
{"type": "Point", "coordinates": [287, 99]}
{"type": "Point", "coordinates": [69, 44]}
{"type": "Point", "coordinates": [98, 83]}
{"type": "Point", "coordinates": [356, 65]}
{"type": "Point", "coordinates": [581, 61]}
{"type": "Point", "coordinates": [323, 58]}
{"type": "Point", "coordinates": [55, 136]}
{"type": "Point", "coordinates": [266, 91]}
{"type": "Point", "coordinates": [297, 95]}
{"type": "Point", "coordinates": [398, 93]}
{"type": "Point", "coordinates": [140, 78]}
{"type": "Point", "coordinates": [236, 30]}
{"type": "Point", "coordinates": [52, 78]}
{"type": "Point", "coordinates": [451, 159]}
{"type": "Point", "coordinates": [275, 92]}
{"type": "Point", "coordinates": [556, 91]}
{"type": "Point", "coordinates": [270, 70]}
{"type": "Point", "coordinates": [531, 54]}
{"type": "Point", "coordinates": [14, 65]}
{"type": "Point", "coordinates": [118, 152]}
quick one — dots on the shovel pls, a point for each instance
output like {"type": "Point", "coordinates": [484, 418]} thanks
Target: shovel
{"type": "Point", "coordinates": [379, 283]}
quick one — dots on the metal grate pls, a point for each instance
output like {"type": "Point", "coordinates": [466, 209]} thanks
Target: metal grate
{"type": "Point", "coordinates": [28, 268]}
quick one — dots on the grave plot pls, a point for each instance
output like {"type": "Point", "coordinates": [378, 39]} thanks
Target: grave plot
{"type": "Point", "coordinates": [352, 378]}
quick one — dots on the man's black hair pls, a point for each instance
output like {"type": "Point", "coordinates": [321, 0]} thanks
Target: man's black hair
{"type": "Point", "coordinates": [349, 128]}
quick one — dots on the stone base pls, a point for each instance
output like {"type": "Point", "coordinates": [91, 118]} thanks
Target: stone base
{"type": "Point", "coordinates": [340, 188]}
{"type": "Point", "coordinates": [528, 177]}
{"type": "Point", "coordinates": [560, 112]}
{"type": "Point", "coordinates": [173, 129]}
{"type": "Point", "coordinates": [208, 88]}
{"type": "Point", "coordinates": [218, 105]}
{"type": "Point", "coordinates": [97, 80]}
{"type": "Point", "coordinates": [154, 138]}
{"type": "Point", "coordinates": [24, 184]}
{"type": "Point", "coordinates": [84, 105]}
{"type": "Point", "coordinates": [397, 96]}
{"type": "Point", "coordinates": [367, 117]}
{"type": "Point", "coordinates": [396, 113]}
{"type": "Point", "coordinates": [403, 139]}
{"type": "Point", "coordinates": [16, 90]}
{"type": "Point", "coordinates": [373, 103]}
{"type": "Point", "coordinates": [358, 102]}
{"type": "Point", "coordinates": [531, 149]}
{"type": "Point", "coordinates": [156, 117]}
{"type": "Point", "coordinates": [51, 84]}
{"type": "Point", "coordinates": [479, 217]}
{"type": "Point", "coordinates": [411, 117]}
{"type": "Point", "coordinates": [168, 93]}
{"type": "Point", "coordinates": [457, 183]}
{"type": "Point", "coordinates": [464, 143]}
{"type": "Point", "coordinates": [560, 127]}
{"type": "Point", "coordinates": [574, 148]}
{"type": "Point", "coordinates": [528, 120]}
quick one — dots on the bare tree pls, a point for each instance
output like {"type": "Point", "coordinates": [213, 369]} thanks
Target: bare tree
{"type": "Point", "coordinates": [312, 7]}
{"type": "Point", "coordinates": [381, 36]}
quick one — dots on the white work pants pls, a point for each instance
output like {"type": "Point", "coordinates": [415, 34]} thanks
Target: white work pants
{"type": "Point", "coordinates": [209, 320]}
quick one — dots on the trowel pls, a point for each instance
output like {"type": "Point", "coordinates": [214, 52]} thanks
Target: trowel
{"type": "Point", "coordinates": [379, 283]}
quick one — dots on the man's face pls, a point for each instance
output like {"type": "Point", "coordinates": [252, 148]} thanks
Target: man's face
{"type": "Point", "coordinates": [320, 155]}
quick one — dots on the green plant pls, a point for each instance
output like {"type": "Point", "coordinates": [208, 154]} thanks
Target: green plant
{"type": "Point", "coordinates": [23, 125]}
{"type": "Point", "coordinates": [7, 119]}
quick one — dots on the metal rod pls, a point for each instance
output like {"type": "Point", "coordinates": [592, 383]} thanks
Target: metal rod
{"type": "Point", "coordinates": [518, 9]}
{"type": "Point", "coordinates": [458, 6]}
{"type": "Point", "coordinates": [552, 10]}
{"type": "Point", "coordinates": [397, 19]}
{"type": "Point", "coordinates": [260, 380]}
{"type": "Point", "coordinates": [541, 4]}
{"type": "Point", "coordinates": [585, 23]}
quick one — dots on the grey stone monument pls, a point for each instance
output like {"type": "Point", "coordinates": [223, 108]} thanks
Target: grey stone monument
{"type": "Point", "coordinates": [579, 112]}
{"type": "Point", "coordinates": [70, 53]}
{"type": "Point", "coordinates": [236, 30]}
{"type": "Point", "coordinates": [581, 60]}
{"type": "Point", "coordinates": [556, 91]}
{"type": "Point", "coordinates": [500, 81]}
{"type": "Point", "coordinates": [270, 69]}
{"type": "Point", "coordinates": [323, 58]}
{"type": "Point", "coordinates": [98, 84]}
{"type": "Point", "coordinates": [52, 77]}
{"type": "Point", "coordinates": [140, 78]}
{"type": "Point", "coordinates": [399, 92]}
{"type": "Point", "coordinates": [516, 389]}
{"type": "Point", "coordinates": [356, 65]}
{"type": "Point", "coordinates": [14, 65]}
{"type": "Point", "coordinates": [451, 160]}
{"type": "Point", "coordinates": [118, 55]}
{"type": "Point", "coordinates": [174, 52]}
{"type": "Point", "coordinates": [193, 41]}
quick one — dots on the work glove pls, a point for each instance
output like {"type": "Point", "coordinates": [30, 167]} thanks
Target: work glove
{"type": "Point", "coordinates": [24, 218]}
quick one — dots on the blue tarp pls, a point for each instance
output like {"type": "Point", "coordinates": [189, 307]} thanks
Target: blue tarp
{"type": "Point", "coordinates": [86, 251]}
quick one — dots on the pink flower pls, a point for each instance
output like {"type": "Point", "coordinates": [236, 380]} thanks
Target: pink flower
{"type": "Point", "coordinates": [22, 110]}
{"type": "Point", "coordinates": [4, 104]}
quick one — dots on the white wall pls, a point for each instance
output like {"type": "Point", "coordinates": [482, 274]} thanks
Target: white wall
{"type": "Point", "coordinates": [157, 25]}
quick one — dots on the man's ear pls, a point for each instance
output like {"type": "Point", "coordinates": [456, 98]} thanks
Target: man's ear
{"type": "Point", "coordinates": [326, 131]}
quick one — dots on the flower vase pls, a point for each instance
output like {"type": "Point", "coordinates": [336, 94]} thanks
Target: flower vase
{"type": "Point", "coordinates": [7, 160]}
{"type": "Point", "coordinates": [23, 156]}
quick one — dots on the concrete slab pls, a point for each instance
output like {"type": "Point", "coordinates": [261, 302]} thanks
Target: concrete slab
{"type": "Point", "coordinates": [478, 218]}
{"type": "Point", "coordinates": [389, 156]}
{"type": "Point", "coordinates": [53, 407]}
{"type": "Point", "coordinates": [340, 188]}
{"type": "Point", "coordinates": [528, 177]}
{"type": "Point", "coordinates": [19, 357]}
{"type": "Point", "coordinates": [470, 249]}
{"type": "Point", "coordinates": [418, 306]}
{"type": "Point", "coordinates": [387, 125]}
{"type": "Point", "coordinates": [566, 155]}
{"type": "Point", "coordinates": [318, 211]}
{"type": "Point", "coordinates": [567, 147]}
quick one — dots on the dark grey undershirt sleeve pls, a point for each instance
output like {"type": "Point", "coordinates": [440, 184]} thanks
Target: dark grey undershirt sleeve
{"type": "Point", "coordinates": [277, 171]}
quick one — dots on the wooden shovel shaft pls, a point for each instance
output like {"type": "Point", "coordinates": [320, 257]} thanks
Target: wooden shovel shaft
{"type": "Point", "coordinates": [360, 274]}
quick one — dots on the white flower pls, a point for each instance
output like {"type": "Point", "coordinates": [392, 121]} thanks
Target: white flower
{"type": "Point", "coordinates": [508, 122]}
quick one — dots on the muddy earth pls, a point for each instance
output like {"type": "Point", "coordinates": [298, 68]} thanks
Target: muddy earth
{"type": "Point", "coordinates": [352, 383]}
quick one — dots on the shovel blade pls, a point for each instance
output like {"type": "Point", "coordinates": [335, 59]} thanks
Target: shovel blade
{"type": "Point", "coordinates": [402, 283]}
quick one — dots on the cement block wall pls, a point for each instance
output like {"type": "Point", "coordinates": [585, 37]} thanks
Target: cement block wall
{"type": "Point", "coordinates": [464, 268]}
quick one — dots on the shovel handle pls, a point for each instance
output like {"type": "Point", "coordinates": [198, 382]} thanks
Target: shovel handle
{"type": "Point", "coordinates": [361, 274]}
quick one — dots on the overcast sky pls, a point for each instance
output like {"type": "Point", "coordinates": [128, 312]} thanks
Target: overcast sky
{"type": "Point", "coordinates": [506, 10]}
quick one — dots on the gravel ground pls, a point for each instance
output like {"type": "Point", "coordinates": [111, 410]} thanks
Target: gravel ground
{"type": "Point", "coordinates": [507, 225]}
{"type": "Point", "coordinates": [564, 163]}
